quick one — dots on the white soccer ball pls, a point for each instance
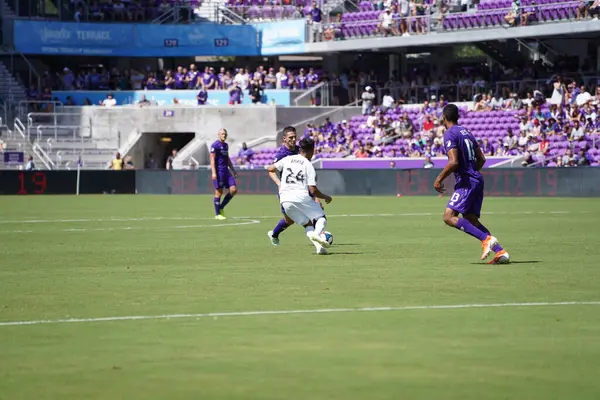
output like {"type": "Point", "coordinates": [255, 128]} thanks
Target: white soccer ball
{"type": "Point", "coordinates": [329, 237]}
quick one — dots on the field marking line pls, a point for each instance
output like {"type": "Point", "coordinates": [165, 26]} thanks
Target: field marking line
{"type": "Point", "coordinates": [292, 312]}
{"type": "Point", "coordinates": [129, 219]}
{"type": "Point", "coordinates": [147, 228]}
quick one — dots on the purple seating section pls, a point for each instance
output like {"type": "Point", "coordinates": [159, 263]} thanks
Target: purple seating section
{"type": "Point", "coordinates": [492, 125]}
{"type": "Point", "coordinates": [489, 13]}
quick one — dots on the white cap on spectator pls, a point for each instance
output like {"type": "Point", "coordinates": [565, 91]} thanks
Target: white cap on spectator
{"type": "Point", "coordinates": [344, 121]}
{"type": "Point", "coordinates": [66, 69]}
{"type": "Point", "coordinates": [368, 88]}
{"type": "Point", "coordinates": [583, 98]}
{"type": "Point", "coordinates": [433, 97]}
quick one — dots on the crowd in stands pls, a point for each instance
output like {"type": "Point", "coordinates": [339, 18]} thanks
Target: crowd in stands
{"type": "Point", "coordinates": [564, 131]}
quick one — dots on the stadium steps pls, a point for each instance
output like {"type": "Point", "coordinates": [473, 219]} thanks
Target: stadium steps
{"type": "Point", "coordinates": [10, 88]}
{"type": "Point", "coordinates": [507, 52]}
{"type": "Point", "coordinates": [7, 11]}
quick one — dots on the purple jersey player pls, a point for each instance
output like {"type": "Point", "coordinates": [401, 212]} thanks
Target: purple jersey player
{"type": "Point", "coordinates": [223, 173]}
{"type": "Point", "coordinates": [288, 148]}
{"type": "Point", "coordinates": [465, 159]}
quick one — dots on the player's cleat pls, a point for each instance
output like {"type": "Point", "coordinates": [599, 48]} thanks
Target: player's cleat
{"type": "Point", "coordinates": [322, 251]}
{"type": "Point", "coordinates": [274, 240]}
{"type": "Point", "coordinates": [220, 217]}
{"type": "Point", "coordinates": [222, 213]}
{"type": "Point", "coordinates": [486, 246]}
{"type": "Point", "coordinates": [501, 257]}
{"type": "Point", "coordinates": [319, 239]}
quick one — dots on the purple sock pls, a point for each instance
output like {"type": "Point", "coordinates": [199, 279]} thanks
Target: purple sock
{"type": "Point", "coordinates": [226, 200]}
{"type": "Point", "coordinates": [281, 226]}
{"type": "Point", "coordinates": [495, 248]}
{"type": "Point", "coordinates": [470, 229]}
{"type": "Point", "coordinates": [217, 202]}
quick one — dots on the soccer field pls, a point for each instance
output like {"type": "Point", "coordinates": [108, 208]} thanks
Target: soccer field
{"type": "Point", "coordinates": [147, 297]}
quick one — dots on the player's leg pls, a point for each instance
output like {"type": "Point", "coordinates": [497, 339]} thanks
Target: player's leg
{"type": "Point", "coordinates": [281, 226]}
{"type": "Point", "coordinates": [232, 191]}
{"type": "Point", "coordinates": [460, 203]}
{"type": "Point", "coordinates": [217, 201]}
{"type": "Point", "coordinates": [295, 212]}
{"type": "Point", "coordinates": [315, 213]}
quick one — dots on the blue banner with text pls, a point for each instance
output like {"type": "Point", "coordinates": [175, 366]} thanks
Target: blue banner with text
{"type": "Point", "coordinates": [167, 97]}
{"type": "Point", "coordinates": [135, 40]}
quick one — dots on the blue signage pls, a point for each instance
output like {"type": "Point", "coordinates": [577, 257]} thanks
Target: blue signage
{"type": "Point", "coordinates": [285, 37]}
{"type": "Point", "coordinates": [166, 97]}
{"type": "Point", "coordinates": [14, 158]}
{"type": "Point", "coordinates": [135, 40]}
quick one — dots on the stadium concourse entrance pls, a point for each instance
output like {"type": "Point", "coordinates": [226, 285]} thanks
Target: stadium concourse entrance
{"type": "Point", "coordinates": [161, 144]}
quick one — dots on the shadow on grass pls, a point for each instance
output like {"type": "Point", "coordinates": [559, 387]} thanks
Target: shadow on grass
{"type": "Point", "coordinates": [512, 262]}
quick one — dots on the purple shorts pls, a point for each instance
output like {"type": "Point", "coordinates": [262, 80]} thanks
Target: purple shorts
{"type": "Point", "coordinates": [224, 181]}
{"type": "Point", "coordinates": [467, 200]}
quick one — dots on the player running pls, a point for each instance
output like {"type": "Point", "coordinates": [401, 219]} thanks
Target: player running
{"type": "Point", "coordinates": [297, 188]}
{"type": "Point", "coordinates": [220, 165]}
{"type": "Point", "coordinates": [465, 159]}
{"type": "Point", "coordinates": [288, 148]}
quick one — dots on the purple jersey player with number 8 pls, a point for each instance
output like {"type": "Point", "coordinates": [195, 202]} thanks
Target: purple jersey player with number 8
{"type": "Point", "coordinates": [465, 159]}
{"type": "Point", "coordinates": [220, 166]}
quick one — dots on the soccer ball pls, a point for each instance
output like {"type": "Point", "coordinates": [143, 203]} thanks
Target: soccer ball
{"type": "Point", "coordinates": [328, 237]}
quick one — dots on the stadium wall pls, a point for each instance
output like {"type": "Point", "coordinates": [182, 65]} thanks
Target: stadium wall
{"type": "Point", "coordinates": [546, 182]}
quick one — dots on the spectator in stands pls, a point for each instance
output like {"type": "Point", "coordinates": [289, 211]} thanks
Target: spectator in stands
{"type": "Point", "coordinates": [109, 101]}
{"type": "Point", "coordinates": [595, 9]}
{"type": "Point", "coordinates": [298, 13]}
{"type": "Point", "coordinates": [316, 22]}
{"type": "Point", "coordinates": [68, 79]}
{"type": "Point", "coordinates": [361, 152]}
{"type": "Point", "coordinates": [256, 92]}
{"type": "Point", "coordinates": [568, 158]}
{"type": "Point", "coordinates": [367, 100]}
{"type": "Point", "coordinates": [202, 96]}
{"type": "Point", "coordinates": [387, 102]}
{"type": "Point", "coordinates": [137, 11]}
{"type": "Point", "coordinates": [404, 7]}
{"type": "Point", "coordinates": [510, 140]}
{"type": "Point", "coordinates": [236, 95]}
{"type": "Point", "coordinates": [136, 79]}
{"type": "Point", "coordinates": [487, 148]}
{"type": "Point", "coordinates": [385, 25]}
{"type": "Point", "coordinates": [171, 159]}
{"type": "Point", "coordinates": [270, 79]}
{"type": "Point", "coordinates": [144, 101]}
{"type": "Point", "coordinates": [582, 160]}
{"type": "Point", "coordinates": [584, 9]}
{"type": "Point", "coordinates": [513, 18]}
{"type": "Point", "coordinates": [30, 166]}
{"type": "Point", "coordinates": [245, 155]}
{"type": "Point", "coordinates": [577, 133]}
{"type": "Point", "coordinates": [117, 163]}
{"type": "Point", "coordinates": [95, 11]}
{"type": "Point", "coordinates": [128, 163]}
{"type": "Point", "coordinates": [151, 162]}
{"type": "Point", "coordinates": [428, 164]}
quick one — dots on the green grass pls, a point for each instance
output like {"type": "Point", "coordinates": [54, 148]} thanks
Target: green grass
{"type": "Point", "coordinates": [47, 272]}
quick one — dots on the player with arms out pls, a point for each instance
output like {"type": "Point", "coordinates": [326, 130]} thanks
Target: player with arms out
{"type": "Point", "coordinates": [297, 188]}
{"type": "Point", "coordinates": [223, 173]}
{"type": "Point", "coordinates": [465, 159]}
{"type": "Point", "coordinates": [288, 148]}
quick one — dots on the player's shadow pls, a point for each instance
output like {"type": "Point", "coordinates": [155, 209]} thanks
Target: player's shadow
{"type": "Point", "coordinates": [342, 253]}
{"type": "Point", "coordinates": [346, 244]}
{"type": "Point", "coordinates": [514, 262]}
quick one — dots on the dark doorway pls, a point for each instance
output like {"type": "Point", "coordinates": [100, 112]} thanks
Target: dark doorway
{"type": "Point", "coordinates": [160, 145]}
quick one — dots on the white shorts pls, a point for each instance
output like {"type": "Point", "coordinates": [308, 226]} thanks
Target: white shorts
{"type": "Point", "coordinates": [304, 212]}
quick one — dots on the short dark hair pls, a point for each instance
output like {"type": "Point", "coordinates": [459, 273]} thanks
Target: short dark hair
{"type": "Point", "coordinates": [307, 145]}
{"type": "Point", "coordinates": [288, 129]}
{"type": "Point", "coordinates": [451, 113]}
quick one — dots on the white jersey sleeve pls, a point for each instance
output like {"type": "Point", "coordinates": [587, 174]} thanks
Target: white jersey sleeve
{"type": "Point", "coordinates": [311, 175]}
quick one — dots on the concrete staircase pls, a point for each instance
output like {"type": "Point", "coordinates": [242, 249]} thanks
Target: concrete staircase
{"type": "Point", "coordinates": [10, 89]}
{"type": "Point", "coordinates": [7, 12]}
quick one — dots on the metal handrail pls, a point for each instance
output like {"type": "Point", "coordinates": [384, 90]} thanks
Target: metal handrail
{"type": "Point", "coordinates": [309, 91]}
{"type": "Point", "coordinates": [32, 69]}
{"type": "Point", "coordinates": [46, 160]}
{"type": "Point", "coordinates": [19, 127]}
{"type": "Point", "coordinates": [56, 128]}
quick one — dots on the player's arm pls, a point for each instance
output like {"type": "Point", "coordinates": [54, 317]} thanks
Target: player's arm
{"type": "Point", "coordinates": [231, 167]}
{"type": "Point", "coordinates": [212, 164]}
{"type": "Point", "coordinates": [272, 169]}
{"type": "Point", "coordinates": [480, 158]}
{"type": "Point", "coordinates": [450, 167]}
{"type": "Point", "coordinates": [311, 181]}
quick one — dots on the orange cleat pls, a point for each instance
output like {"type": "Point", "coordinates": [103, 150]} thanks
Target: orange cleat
{"type": "Point", "coordinates": [501, 257]}
{"type": "Point", "coordinates": [486, 246]}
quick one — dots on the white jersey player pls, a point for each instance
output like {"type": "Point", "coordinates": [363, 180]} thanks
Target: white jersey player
{"type": "Point", "coordinates": [298, 183]}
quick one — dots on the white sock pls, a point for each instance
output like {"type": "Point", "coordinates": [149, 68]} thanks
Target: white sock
{"type": "Point", "coordinates": [320, 226]}
{"type": "Point", "coordinates": [309, 233]}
